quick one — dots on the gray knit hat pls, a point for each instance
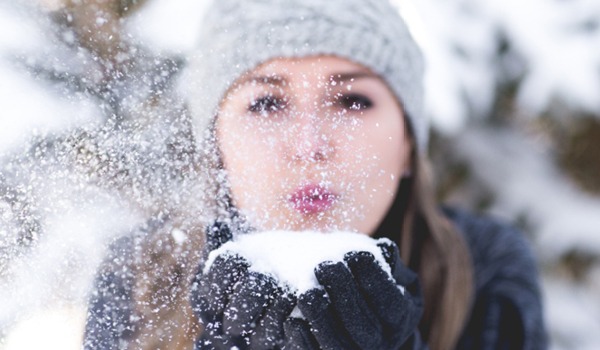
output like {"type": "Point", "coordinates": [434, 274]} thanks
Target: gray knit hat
{"type": "Point", "coordinates": [238, 35]}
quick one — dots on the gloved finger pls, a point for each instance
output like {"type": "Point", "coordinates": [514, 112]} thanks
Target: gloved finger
{"type": "Point", "coordinates": [402, 274]}
{"type": "Point", "coordinates": [216, 235]}
{"type": "Point", "coordinates": [349, 305]}
{"type": "Point", "coordinates": [214, 342]}
{"type": "Point", "coordinates": [298, 335]}
{"type": "Point", "coordinates": [383, 295]}
{"type": "Point", "coordinates": [269, 333]}
{"type": "Point", "coordinates": [326, 327]}
{"type": "Point", "coordinates": [214, 288]}
{"type": "Point", "coordinates": [249, 299]}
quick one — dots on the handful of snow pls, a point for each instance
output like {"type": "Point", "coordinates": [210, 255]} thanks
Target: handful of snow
{"type": "Point", "coordinates": [291, 256]}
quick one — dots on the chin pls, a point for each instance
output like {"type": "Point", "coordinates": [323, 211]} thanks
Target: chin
{"type": "Point", "coordinates": [293, 220]}
{"type": "Point", "coordinates": [322, 223]}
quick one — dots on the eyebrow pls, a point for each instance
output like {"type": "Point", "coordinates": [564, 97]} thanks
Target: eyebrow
{"type": "Point", "coordinates": [264, 79]}
{"type": "Point", "coordinates": [344, 77]}
{"type": "Point", "coordinates": [277, 80]}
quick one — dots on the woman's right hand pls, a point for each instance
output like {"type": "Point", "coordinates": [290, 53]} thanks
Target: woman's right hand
{"type": "Point", "coordinates": [238, 307]}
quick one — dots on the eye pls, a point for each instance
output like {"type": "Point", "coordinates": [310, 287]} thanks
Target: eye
{"type": "Point", "coordinates": [267, 104]}
{"type": "Point", "coordinates": [355, 102]}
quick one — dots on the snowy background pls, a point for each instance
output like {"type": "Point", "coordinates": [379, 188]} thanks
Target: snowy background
{"type": "Point", "coordinates": [91, 137]}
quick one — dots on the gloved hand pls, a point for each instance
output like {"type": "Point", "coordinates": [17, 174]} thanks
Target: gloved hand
{"type": "Point", "coordinates": [237, 307]}
{"type": "Point", "coordinates": [360, 307]}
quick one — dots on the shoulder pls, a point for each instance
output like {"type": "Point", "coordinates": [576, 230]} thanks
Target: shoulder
{"type": "Point", "coordinates": [111, 314]}
{"type": "Point", "coordinates": [498, 250]}
{"type": "Point", "coordinates": [110, 304]}
{"type": "Point", "coordinates": [122, 253]}
{"type": "Point", "coordinates": [507, 307]}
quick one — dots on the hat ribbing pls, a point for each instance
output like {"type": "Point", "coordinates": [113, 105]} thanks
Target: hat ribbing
{"type": "Point", "coordinates": [238, 35]}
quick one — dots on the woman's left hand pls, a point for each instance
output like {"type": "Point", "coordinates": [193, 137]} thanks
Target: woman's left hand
{"type": "Point", "coordinates": [360, 305]}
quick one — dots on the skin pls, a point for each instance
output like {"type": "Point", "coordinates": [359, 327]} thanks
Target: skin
{"type": "Point", "coordinates": [325, 122]}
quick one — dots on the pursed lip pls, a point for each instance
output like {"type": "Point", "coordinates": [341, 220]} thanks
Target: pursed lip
{"type": "Point", "coordinates": [312, 199]}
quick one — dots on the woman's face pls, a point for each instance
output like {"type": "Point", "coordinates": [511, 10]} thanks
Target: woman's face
{"type": "Point", "coordinates": [314, 143]}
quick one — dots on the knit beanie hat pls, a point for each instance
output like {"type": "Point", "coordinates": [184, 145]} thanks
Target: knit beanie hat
{"type": "Point", "coordinates": [238, 35]}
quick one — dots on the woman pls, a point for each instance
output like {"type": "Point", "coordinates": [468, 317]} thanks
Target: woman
{"type": "Point", "coordinates": [309, 116]}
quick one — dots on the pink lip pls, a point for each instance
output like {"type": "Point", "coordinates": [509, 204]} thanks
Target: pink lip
{"type": "Point", "coordinates": [312, 199]}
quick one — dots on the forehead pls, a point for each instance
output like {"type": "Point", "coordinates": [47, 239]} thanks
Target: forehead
{"type": "Point", "coordinates": [318, 67]}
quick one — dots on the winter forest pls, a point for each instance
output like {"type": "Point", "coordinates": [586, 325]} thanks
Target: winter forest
{"type": "Point", "coordinates": [94, 139]}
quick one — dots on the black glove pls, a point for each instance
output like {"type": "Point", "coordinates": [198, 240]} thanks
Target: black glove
{"type": "Point", "coordinates": [361, 307]}
{"type": "Point", "coordinates": [217, 234]}
{"type": "Point", "coordinates": [238, 307]}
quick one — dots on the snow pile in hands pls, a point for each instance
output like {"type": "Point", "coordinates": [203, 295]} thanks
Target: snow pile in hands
{"type": "Point", "coordinates": [292, 256]}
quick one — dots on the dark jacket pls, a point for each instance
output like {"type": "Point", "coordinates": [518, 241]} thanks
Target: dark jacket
{"type": "Point", "coordinates": [506, 311]}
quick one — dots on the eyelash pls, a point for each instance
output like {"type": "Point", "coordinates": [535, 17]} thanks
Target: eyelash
{"type": "Point", "coordinates": [273, 104]}
{"type": "Point", "coordinates": [267, 104]}
{"type": "Point", "coordinates": [354, 102]}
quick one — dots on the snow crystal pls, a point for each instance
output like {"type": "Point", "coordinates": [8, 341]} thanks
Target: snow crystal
{"type": "Point", "coordinates": [168, 26]}
{"type": "Point", "coordinates": [179, 236]}
{"type": "Point", "coordinates": [292, 256]}
{"type": "Point", "coordinates": [55, 328]}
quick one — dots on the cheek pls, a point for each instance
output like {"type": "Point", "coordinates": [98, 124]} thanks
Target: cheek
{"type": "Point", "coordinates": [391, 149]}
{"type": "Point", "coordinates": [378, 163]}
{"type": "Point", "coordinates": [251, 161]}
{"type": "Point", "coordinates": [379, 152]}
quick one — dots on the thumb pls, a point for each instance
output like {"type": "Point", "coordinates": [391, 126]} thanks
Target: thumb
{"type": "Point", "coordinates": [217, 234]}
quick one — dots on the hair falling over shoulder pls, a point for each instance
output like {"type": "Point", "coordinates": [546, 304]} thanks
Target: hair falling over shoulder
{"type": "Point", "coordinates": [441, 257]}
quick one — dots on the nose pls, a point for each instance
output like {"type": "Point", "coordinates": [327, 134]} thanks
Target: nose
{"type": "Point", "coordinates": [311, 141]}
